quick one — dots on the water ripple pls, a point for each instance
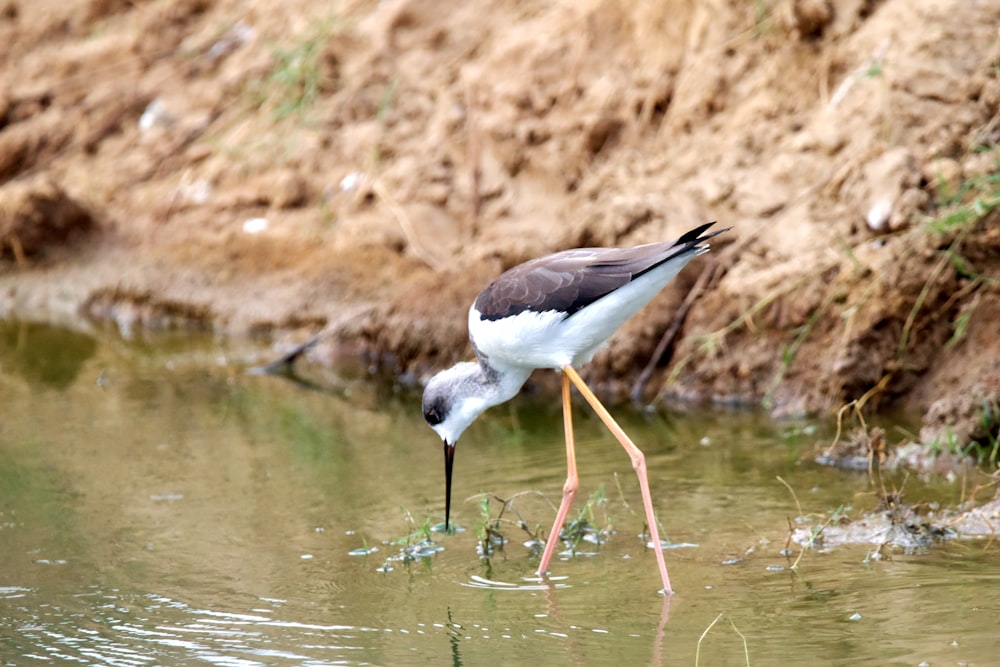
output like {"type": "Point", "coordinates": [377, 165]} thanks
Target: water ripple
{"type": "Point", "coordinates": [529, 584]}
{"type": "Point", "coordinates": [120, 632]}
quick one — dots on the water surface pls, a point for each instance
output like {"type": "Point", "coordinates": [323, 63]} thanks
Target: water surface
{"type": "Point", "coordinates": [160, 506]}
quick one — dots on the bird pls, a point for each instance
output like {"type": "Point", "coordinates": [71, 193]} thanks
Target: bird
{"type": "Point", "coordinates": [555, 312]}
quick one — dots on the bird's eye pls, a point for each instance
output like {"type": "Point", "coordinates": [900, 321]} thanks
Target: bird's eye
{"type": "Point", "coordinates": [432, 416]}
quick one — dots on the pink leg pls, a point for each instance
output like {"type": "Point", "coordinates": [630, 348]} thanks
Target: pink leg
{"type": "Point", "coordinates": [569, 488]}
{"type": "Point", "coordinates": [638, 464]}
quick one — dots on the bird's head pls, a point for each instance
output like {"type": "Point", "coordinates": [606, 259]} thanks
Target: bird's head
{"type": "Point", "coordinates": [452, 400]}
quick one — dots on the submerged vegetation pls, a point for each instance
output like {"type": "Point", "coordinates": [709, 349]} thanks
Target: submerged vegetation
{"type": "Point", "coordinates": [416, 545]}
{"type": "Point", "coordinates": [591, 525]}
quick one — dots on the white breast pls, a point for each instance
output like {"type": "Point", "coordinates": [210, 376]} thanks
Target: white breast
{"type": "Point", "coordinates": [529, 339]}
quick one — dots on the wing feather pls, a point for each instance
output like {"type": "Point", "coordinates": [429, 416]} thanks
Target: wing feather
{"type": "Point", "coordinates": [573, 279]}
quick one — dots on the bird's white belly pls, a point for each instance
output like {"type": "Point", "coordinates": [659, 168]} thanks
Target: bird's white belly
{"type": "Point", "coordinates": [529, 339]}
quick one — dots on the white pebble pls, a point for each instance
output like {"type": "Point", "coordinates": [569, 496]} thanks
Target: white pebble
{"type": "Point", "coordinates": [255, 225]}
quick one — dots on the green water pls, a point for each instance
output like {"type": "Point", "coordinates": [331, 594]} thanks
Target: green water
{"type": "Point", "coordinates": [160, 506]}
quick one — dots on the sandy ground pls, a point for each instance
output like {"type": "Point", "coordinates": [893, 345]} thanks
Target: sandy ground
{"type": "Point", "coordinates": [277, 169]}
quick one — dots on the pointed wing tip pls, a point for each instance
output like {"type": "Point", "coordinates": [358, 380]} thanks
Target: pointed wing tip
{"type": "Point", "coordinates": [699, 235]}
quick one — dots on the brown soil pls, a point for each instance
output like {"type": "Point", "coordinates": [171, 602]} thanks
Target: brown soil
{"type": "Point", "coordinates": [402, 155]}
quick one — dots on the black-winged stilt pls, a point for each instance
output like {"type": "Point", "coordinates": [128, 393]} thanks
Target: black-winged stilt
{"type": "Point", "coordinates": [555, 312]}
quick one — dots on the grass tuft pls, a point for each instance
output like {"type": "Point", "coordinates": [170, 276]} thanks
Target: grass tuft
{"type": "Point", "coordinates": [974, 198]}
{"type": "Point", "coordinates": [294, 83]}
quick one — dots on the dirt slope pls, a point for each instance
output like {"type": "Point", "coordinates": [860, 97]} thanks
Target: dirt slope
{"type": "Point", "coordinates": [364, 168]}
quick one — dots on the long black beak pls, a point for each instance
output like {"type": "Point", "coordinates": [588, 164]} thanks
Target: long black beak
{"type": "Point", "coordinates": [449, 460]}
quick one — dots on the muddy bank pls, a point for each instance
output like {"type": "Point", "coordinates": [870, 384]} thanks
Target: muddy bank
{"type": "Point", "coordinates": [289, 168]}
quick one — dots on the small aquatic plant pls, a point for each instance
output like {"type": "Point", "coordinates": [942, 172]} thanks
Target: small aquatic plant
{"type": "Point", "coordinates": [416, 545]}
{"type": "Point", "coordinates": [587, 527]}
{"type": "Point", "coordinates": [489, 529]}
